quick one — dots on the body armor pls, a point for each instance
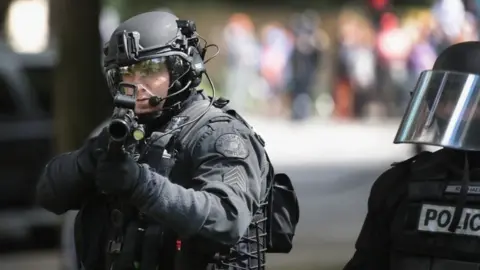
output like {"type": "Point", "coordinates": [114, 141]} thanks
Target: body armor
{"type": "Point", "coordinates": [422, 234]}
{"type": "Point", "coordinates": [135, 242]}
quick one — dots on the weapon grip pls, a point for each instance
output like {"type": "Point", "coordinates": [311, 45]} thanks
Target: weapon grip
{"type": "Point", "coordinates": [115, 150]}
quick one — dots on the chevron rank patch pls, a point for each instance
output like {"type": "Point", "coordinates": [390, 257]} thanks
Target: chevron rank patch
{"type": "Point", "coordinates": [236, 178]}
{"type": "Point", "coordinates": [231, 145]}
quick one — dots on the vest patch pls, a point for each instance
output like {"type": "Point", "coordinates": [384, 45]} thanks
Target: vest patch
{"type": "Point", "coordinates": [231, 145]}
{"type": "Point", "coordinates": [473, 190]}
{"type": "Point", "coordinates": [436, 218]}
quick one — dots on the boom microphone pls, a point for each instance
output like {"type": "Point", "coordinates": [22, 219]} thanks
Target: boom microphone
{"type": "Point", "coordinates": [154, 101]}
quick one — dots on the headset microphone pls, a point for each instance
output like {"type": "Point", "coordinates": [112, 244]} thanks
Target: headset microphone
{"type": "Point", "coordinates": [154, 101]}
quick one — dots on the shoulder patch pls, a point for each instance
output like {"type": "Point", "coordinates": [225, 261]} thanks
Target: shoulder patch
{"type": "Point", "coordinates": [231, 145]}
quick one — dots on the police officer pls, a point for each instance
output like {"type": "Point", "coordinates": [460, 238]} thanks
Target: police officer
{"type": "Point", "coordinates": [424, 212]}
{"type": "Point", "coordinates": [192, 195]}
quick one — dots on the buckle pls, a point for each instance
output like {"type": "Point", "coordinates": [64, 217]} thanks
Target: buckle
{"type": "Point", "coordinates": [220, 102]}
{"type": "Point", "coordinates": [114, 247]}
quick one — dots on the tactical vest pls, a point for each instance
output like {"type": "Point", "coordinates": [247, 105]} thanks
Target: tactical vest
{"type": "Point", "coordinates": [145, 245]}
{"type": "Point", "coordinates": [422, 234]}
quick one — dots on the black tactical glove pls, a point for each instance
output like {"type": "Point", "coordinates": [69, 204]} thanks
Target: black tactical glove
{"type": "Point", "coordinates": [117, 175]}
{"type": "Point", "coordinates": [87, 155]}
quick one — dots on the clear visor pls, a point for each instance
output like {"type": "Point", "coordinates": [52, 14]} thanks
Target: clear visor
{"type": "Point", "coordinates": [146, 72]}
{"type": "Point", "coordinates": [443, 111]}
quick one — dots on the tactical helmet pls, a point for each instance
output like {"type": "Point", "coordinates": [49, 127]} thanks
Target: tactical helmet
{"type": "Point", "coordinates": [444, 110]}
{"type": "Point", "coordinates": [461, 57]}
{"type": "Point", "coordinates": [151, 38]}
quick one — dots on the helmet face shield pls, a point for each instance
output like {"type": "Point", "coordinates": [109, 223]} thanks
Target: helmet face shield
{"type": "Point", "coordinates": [444, 111]}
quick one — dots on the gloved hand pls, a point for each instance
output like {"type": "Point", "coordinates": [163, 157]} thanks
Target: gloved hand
{"type": "Point", "coordinates": [87, 157]}
{"type": "Point", "coordinates": [117, 175]}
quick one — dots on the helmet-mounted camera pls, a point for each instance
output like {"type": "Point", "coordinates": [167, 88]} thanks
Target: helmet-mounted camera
{"type": "Point", "coordinates": [187, 27]}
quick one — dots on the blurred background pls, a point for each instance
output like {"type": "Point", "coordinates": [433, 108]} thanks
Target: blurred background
{"type": "Point", "coordinates": [324, 82]}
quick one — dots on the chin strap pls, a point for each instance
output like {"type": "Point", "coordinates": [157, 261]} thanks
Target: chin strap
{"type": "Point", "coordinates": [462, 197]}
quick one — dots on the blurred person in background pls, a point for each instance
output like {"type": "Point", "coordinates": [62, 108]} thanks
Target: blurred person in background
{"type": "Point", "coordinates": [243, 54]}
{"type": "Point", "coordinates": [356, 67]}
{"type": "Point", "coordinates": [470, 28]}
{"type": "Point", "coordinates": [393, 47]}
{"type": "Point", "coordinates": [473, 7]}
{"type": "Point", "coordinates": [422, 55]}
{"type": "Point", "coordinates": [449, 16]}
{"type": "Point", "coordinates": [277, 45]}
{"type": "Point", "coordinates": [193, 194]}
{"type": "Point", "coordinates": [424, 213]}
{"type": "Point", "coordinates": [304, 63]}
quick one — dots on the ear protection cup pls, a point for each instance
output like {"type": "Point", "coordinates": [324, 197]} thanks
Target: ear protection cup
{"type": "Point", "coordinates": [194, 68]}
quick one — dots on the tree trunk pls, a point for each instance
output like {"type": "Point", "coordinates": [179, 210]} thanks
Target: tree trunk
{"type": "Point", "coordinates": [79, 88]}
{"type": "Point", "coordinates": [4, 5]}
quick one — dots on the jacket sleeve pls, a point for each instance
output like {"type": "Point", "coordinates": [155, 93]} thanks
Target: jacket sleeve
{"type": "Point", "coordinates": [229, 177]}
{"type": "Point", "coordinates": [373, 243]}
{"type": "Point", "coordinates": [62, 185]}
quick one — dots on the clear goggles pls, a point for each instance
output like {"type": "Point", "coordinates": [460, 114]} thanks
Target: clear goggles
{"type": "Point", "coordinates": [145, 73]}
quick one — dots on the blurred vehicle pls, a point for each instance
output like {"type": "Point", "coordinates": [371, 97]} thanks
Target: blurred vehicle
{"type": "Point", "coordinates": [26, 141]}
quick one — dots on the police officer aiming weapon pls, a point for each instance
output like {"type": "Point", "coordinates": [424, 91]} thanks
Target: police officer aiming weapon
{"type": "Point", "coordinates": [200, 194]}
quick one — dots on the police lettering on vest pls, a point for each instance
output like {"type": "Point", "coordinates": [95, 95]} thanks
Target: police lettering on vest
{"type": "Point", "coordinates": [436, 218]}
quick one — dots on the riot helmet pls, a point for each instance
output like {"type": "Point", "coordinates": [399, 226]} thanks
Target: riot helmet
{"type": "Point", "coordinates": [444, 109]}
{"type": "Point", "coordinates": [155, 42]}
